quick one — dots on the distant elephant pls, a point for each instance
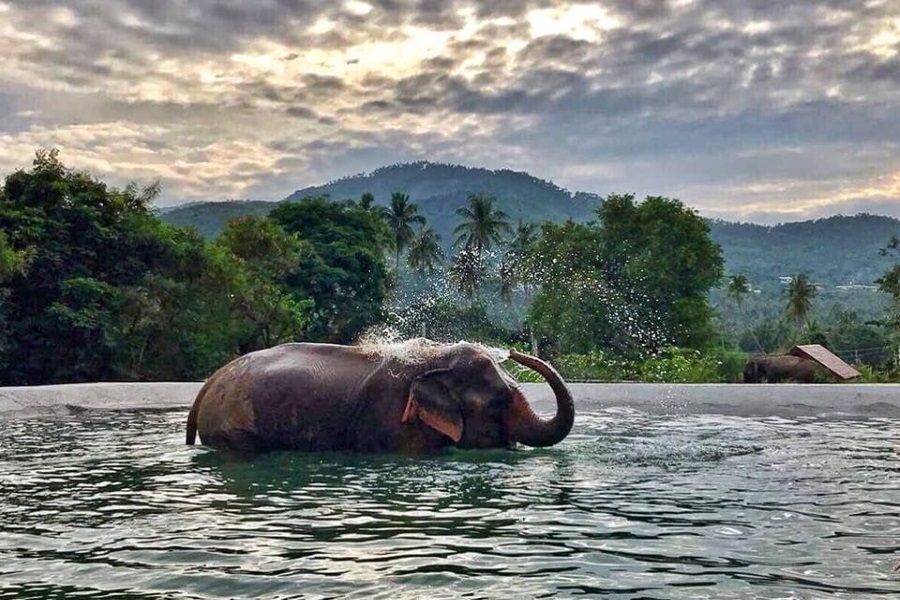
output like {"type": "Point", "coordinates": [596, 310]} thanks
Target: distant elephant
{"type": "Point", "coordinates": [784, 367]}
{"type": "Point", "coordinates": [410, 397]}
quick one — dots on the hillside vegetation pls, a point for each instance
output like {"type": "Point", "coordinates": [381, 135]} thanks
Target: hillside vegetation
{"type": "Point", "coordinates": [840, 250]}
{"type": "Point", "coordinates": [95, 286]}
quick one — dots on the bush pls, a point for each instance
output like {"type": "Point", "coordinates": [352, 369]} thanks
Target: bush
{"type": "Point", "coordinates": [669, 365]}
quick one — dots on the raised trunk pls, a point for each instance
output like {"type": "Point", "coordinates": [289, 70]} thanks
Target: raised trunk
{"type": "Point", "coordinates": [525, 426]}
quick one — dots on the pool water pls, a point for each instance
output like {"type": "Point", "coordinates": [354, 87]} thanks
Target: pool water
{"type": "Point", "coordinates": [631, 505]}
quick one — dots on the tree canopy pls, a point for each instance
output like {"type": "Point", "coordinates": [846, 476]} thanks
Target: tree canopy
{"type": "Point", "coordinates": [343, 270]}
{"type": "Point", "coordinates": [94, 286]}
{"type": "Point", "coordinates": [637, 278]}
{"type": "Point", "coordinates": [100, 264]}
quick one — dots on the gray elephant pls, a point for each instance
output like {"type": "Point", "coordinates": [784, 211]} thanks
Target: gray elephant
{"type": "Point", "coordinates": [412, 397]}
{"type": "Point", "coordinates": [784, 368]}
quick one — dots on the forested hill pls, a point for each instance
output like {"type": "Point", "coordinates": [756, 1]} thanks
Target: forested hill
{"type": "Point", "coordinates": [210, 217]}
{"type": "Point", "coordinates": [839, 250]}
{"type": "Point", "coordinates": [440, 189]}
{"type": "Point", "coordinates": [834, 251]}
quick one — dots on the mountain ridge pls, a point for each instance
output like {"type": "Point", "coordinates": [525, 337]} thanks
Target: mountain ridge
{"type": "Point", "coordinates": [833, 250]}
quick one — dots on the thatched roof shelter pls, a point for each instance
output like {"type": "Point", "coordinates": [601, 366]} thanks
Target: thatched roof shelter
{"type": "Point", "coordinates": [827, 359]}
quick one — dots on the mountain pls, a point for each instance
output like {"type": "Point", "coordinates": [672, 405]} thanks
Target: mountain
{"type": "Point", "coordinates": [438, 189]}
{"type": "Point", "coordinates": [837, 251]}
{"type": "Point", "coordinates": [210, 217]}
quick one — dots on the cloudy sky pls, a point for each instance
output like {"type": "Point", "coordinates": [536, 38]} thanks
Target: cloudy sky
{"type": "Point", "coordinates": [755, 110]}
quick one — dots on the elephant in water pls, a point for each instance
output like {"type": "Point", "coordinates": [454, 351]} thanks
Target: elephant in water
{"type": "Point", "coordinates": [784, 367]}
{"type": "Point", "coordinates": [409, 397]}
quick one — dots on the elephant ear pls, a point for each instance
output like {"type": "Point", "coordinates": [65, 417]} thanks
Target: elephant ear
{"type": "Point", "coordinates": [432, 401]}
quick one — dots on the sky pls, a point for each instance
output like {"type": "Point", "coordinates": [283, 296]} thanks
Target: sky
{"type": "Point", "coordinates": [764, 111]}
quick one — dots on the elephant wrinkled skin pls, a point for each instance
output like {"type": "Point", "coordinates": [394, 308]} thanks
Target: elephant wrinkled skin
{"type": "Point", "coordinates": [412, 397]}
{"type": "Point", "coordinates": [784, 368]}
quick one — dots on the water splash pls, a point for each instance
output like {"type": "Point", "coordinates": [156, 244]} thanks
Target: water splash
{"type": "Point", "coordinates": [418, 350]}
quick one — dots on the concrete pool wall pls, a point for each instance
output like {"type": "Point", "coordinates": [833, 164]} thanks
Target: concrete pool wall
{"type": "Point", "coordinates": [788, 400]}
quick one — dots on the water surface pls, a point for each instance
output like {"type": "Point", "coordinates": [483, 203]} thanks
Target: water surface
{"type": "Point", "coordinates": [631, 505]}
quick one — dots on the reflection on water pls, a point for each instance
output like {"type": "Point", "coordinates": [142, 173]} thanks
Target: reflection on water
{"type": "Point", "coordinates": [113, 505]}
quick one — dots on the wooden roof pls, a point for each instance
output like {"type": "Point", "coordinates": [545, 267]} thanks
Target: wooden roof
{"type": "Point", "coordinates": [827, 359]}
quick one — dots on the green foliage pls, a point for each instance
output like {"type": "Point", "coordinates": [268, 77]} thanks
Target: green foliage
{"type": "Point", "coordinates": [12, 261]}
{"type": "Point", "coordinates": [425, 250]}
{"type": "Point", "coordinates": [210, 218]}
{"type": "Point", "coordinates": [343, 270]}
{"type": "Point", "coordinates": [738, 287]}
{"type": "Point", "coordinates": [96, 287]}
{"type": "Point", "coordinates": [669, 365]}
{"type": "Point", "coordinates": [800, 294]}
{"type": "Point", "coordinates": [439, 189]}
{"type": "Point", "coordinates": [481, 224]}
{"type": "Point", "coordinates": [518, 266]}
{"type": "Point", "coordinates": [638, 279]}
{"type": "Point", "coordinates": [262, 259]}
{"type": "Point", "coordinates": [400, 216]}
{"type": "Point", "coordinates": [832, 251]}
{"type": "Point", "coordinates": [99, 261]}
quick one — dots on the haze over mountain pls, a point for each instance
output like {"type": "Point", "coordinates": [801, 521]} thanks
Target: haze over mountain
{"type": "Point", "coordinates": [838, 250]}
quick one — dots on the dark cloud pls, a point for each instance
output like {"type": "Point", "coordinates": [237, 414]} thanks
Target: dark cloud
{"type": "Point", "coordinates": [671, 95]}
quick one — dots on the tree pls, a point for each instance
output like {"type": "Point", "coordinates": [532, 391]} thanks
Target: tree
{"type": "Point", "coordinates": [269, 312]}
{"type": "Point", "coordinates": [637, 279]}
{"type": "Point", "coordinates": [425, 250]}
{"type": "Point", "coordinates": [466, 272]}
{"type": "Point", "coordinates": [12, 261]}
{"type": "Point", "coordinates": [738, 287]}
{"type": "Point", "coordinates": [101, 267]}
{"type": "Point", "coordinates": [518, 266]}
{"type": "Point", "coordinates": [800, 293]}
{"type": "Point", "coordinates": [889, 282]}
{"type": "Point", "coordinates": [482, 226]}
{"type": "Point", "coordinates": [343, 269]}
{"type": "Point", "coordinates": [400, 217]}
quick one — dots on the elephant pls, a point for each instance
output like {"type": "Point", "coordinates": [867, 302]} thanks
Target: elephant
{"type": "Point", "coordinates": [410, 397]}
{"type": "Point", "coordinates": [784, 367]}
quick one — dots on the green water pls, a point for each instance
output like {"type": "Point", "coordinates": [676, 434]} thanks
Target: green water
{"type": "Point", "coordinates": [113, 505]}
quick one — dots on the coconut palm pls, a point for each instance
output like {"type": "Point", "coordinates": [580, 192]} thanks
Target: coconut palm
{"type": "Point", "coordinates": [466, 272]}
{"type": "Point", "coordinates": [800, 293]}
{"type": "Point", "coordinates": [425, 250]}
{"type": "Point", "coordinates": [400, 217]}
{"type": "Point", "coordinates": [516, 266]}
{"type": "Point", "coordinates": [482, 225]}
{"type": "Point", "coordinates": [738, 287]}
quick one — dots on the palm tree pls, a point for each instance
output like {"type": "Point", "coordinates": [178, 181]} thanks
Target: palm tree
{"type": "Point", "coordinates": [466, 272]}
{"type": "Point", "coordinates": [482, 225]}
{"type": "Point", "coordinates": [425, 250]}
{"type": "Point", "coordinates": [738, 287]}
{"type": "Point", "coordinates": [400, 217]}
{"type": "Point", "coordinates": [517, 262]}
{"type": "Point", "coordinates": [800, 293]}
{"type": "Point", "coordinates": [518, 267]}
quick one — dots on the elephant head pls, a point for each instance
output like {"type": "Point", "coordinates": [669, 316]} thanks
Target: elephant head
{"type": "Point", "coordinates": [468, 397]}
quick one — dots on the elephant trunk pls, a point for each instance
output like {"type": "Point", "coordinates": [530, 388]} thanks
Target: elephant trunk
{"type": "Point", "coordinates": [525, 426]}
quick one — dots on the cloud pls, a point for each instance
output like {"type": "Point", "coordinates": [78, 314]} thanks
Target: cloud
{"type": "Point", "coordinates": [740, 108]}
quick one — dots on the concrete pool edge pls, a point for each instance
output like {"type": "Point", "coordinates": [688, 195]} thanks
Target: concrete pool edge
{"type": "Point", "coordinates": [859, 400]}
{"type": "Point", "coordinates": [71, 398]}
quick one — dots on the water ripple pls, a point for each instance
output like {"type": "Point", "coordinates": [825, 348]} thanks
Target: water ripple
{"type": "Point", "coordinates": [113, 505]}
